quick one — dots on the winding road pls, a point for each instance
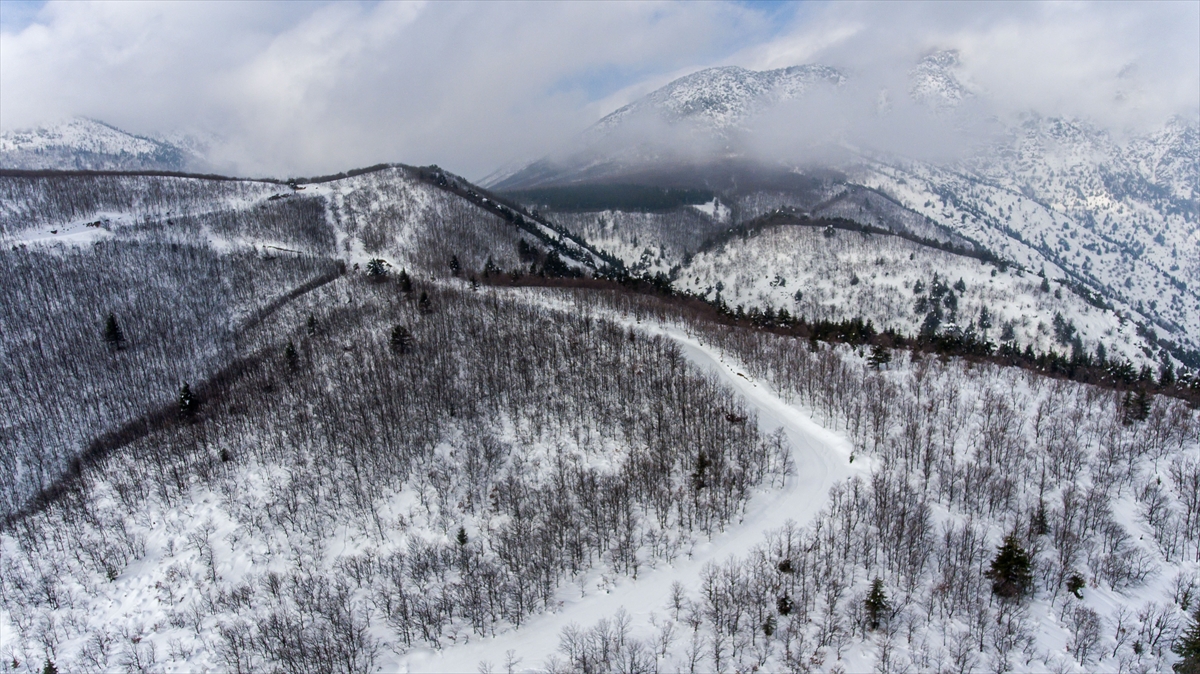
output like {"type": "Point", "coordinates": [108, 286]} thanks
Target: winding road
{"type": "Point", "coordinates": [821, 459]}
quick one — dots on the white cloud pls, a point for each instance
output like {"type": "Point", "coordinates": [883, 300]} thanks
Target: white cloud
{"type": "Point", "coordinates": [303, 89]}
{"type": "Point", "coordinates": [1118, 64]}
{"type": "Point", "coordinates": [308, 88]}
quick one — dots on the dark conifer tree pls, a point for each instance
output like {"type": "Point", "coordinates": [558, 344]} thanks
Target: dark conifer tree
{"type": "Point", "coordinates": [291, 357]}
{"type": "Point", "coordinates": [405, 282]}
{"type": "Point", "coordinates": [985, 318]}
{"type": "Point", "coordinates": [1039, 526]}
{"type": "Point", "coordinates": [112, 332]}
{"type": "Point", "coordinates": [876, 605]}
{"type": "Point", "coordinates": [879, 356]}
{"type": "Point", "coordinates": [784, 605]}
{"type": "Point", "coordinates": [1010, 573]}
{"type": "Point", "coordinates": [376, 269]}
{"type": "Point", "coordinates": [424, 304]}
{"type": "Point", "coordinates": [1188, 646]}
{"type": "Point", "coordinates": [461, 538]}
{"type": "Point", "coordinates": [401, 339]}
{"type": "Point", "coordinates": [312, 324]}
{"type": "Point", "coordinates": [187, 402]}
{"type": "Point", "coordinates": [1166, 376]}
{"type": "Point", "coordinates": [1075, 585]}
{"type": "Point", "coordinates": [1137, 406]}
{"type": "Point", "coordinates": [455, 267]}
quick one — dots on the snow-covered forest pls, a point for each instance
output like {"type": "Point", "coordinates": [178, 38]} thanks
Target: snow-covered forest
{"type": "Point", "coordinates": [338, 426]}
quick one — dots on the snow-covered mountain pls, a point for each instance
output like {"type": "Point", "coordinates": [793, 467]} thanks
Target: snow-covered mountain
{"type": "Point", "coordinates": [1115, 217]}
{"type": "Point", "coordinates": [87, 144]}
{"type": "Point", "coordinates": [722, 98]}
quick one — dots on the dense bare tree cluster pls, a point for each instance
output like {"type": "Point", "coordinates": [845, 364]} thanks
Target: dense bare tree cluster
{"type": "Point", "coordinates": [47, 201]}
{"type": "Point", "coordinates": [67, 378]}
{"type": "Point", "coordinates": [293, 468]}
{"type": "Point", "coordinates": [509, 449]}
{"type": "Point", "coordinates": [965, 456]}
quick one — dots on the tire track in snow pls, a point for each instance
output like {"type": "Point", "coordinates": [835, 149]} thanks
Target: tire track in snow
{"type": "Point", "coordinates": [821, 458]}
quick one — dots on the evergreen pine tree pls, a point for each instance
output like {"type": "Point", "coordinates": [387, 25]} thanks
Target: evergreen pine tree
{"type": "Point", "coordinates": [312, 324]}
{"type": "Point", "coordinates": [461, 538]}
{"type": "Point", "coordinates": [376, 269]}
{"type": "Point", "coordinates": [1045, 284]}
{"type": "Point", "coordinates": [424, 304]}
{"type": "Point", "coordinates": [1137, 407]}
{"type": "Point", "coordinates": [1011, 574]}
{"type": "Point", "coordinates": [876, 605]}
{"type": "Point", "coordinates": [1166, 376]}
{"type": "Point", "coordinates": [49, 667]}
{"type": "Point", "coordinates": [985, 318]}
{"type": "Point", "coordinates": [1188, 647]}
{"type": "Point", "coordinates": [1039, 525]}
{"type": "Point", "coordinates": [933, 320]}
{"type": "Point", "coordinates": [699, 480]}
{"type": "Point", "coordinates": [455, 267]}
{"type": "Point", "coordinates": [401, 339]}
{"type": "Point", "coordinates": [187, 403]}
{"type": "Point", "coordinates": [112, 332]}
{"type": "Point", "coordinates": [784, 605]}
{"type": "Point", "coordinates": [490, 268]}
{"type": "Point", "coordinates": [291, 357]}
{"type": "Point", "coordinates": [405, 282]}
{"type": "Point", "coordinates": [879, 356]}
{"type": "Point", "coordinates": [1075, 585]}
{"type": "Point", "coordinates": [960, 286]}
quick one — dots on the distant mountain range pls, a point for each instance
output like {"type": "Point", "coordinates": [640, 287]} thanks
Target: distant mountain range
{"type": "Point", "coordinates": [88, 144]}
{"type": "Point", "coordinates": [1118, 219]}
{"type": "Point", "coordinates": [1115, 221]}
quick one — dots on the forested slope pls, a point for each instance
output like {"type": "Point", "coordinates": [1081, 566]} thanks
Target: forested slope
{"type": "Point", "coordinates": [390, 447]}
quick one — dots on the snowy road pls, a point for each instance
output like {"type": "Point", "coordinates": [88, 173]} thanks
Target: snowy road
{"type": "Point", "coordinates": [821, 459]}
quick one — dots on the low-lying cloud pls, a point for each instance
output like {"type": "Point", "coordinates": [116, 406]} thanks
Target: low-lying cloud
{"type": "Point", "coordinates": [309, 88]}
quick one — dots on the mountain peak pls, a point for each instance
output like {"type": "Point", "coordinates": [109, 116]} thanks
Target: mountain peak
{"type": "Point", "coordinates": [934, 81]}
{"type": "Point", "coordinates": [84, 143]}
{"type": "Point", "coordinates": [723, 97]}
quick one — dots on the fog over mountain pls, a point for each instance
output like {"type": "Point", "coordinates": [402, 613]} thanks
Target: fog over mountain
{"type": "Point", "coordinates": [315, 88]}
{"type": "Point", "coordinates": [757, 337]}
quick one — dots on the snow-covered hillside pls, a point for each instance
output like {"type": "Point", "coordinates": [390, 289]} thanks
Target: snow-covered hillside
{"type": "Point", "coordinates": [825, 274]}
{"type": "Point", "coordinates": [721, 98]}
{"type": "Point", "coordinates": [1116, 216]}
{"type": "Point", "coordinates": [87, 144]}
{"type": "Point", "coordinates": [1063, 192]}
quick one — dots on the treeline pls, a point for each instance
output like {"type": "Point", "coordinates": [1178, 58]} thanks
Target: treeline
{"type": "Point", "coordinates": [36, 201]}
{"type": "Point", "coordinates": [645, 198]}
{"type": "Point", "coordinates": [790, 216]}
{"type": "Point", "coordinates": [1074, 363]}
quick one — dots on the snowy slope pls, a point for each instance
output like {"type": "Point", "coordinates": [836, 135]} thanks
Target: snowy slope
{"type": "Point", "coordinates": [1062, 202]}
{"type": "Point", "coordinates": [841, 275]}
{"type": "Point", "coordinates": [1115, 214]}
{"type": "Point", "coordinates": [720, 99]}
{"type": "Point", "coordinates": [820, 461]}
{"type": "Point", "coordinates": [82, 143]}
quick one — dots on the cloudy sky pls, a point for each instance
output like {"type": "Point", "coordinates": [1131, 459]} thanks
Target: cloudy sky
{"type": "Point", "coordinates": [301, 88]}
